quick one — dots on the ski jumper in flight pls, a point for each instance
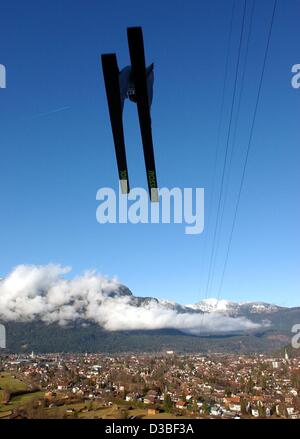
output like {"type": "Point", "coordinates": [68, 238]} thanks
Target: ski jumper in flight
{"type": "Point", "coordinates": [127, 87]}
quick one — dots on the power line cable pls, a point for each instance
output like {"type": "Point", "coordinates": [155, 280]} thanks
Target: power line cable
{"type": "Point", "coordinates": [227, 147]}
{"type": "Point", "coordinates": [249, 145]}
{"type": "Point", "coordinates": [233, 139]}
{"type": "Point", "coordinates": [219, 131]}
{"type": "Point", "coordinates": [226, 151]}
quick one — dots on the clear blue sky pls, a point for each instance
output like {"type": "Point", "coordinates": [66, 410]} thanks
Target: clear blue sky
{"type": "Point", "coordinates": [52, 163]}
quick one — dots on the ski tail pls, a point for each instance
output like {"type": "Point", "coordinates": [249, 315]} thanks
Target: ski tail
{"type": "Point", "coordinates": [112, 87]}
{"type": "Point", "coordinates": [138, 65]}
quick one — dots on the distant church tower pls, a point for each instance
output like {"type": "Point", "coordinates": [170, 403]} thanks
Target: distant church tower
{"type": "Point", "coordinates": [286, 356]}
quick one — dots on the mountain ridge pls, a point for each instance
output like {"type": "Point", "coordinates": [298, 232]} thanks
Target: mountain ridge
{"type": "Point", "coordinates": [79, 335]}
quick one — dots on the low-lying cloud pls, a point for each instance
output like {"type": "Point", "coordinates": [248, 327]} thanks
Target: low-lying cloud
{"type": "Point", "coordinates": [44, 293]}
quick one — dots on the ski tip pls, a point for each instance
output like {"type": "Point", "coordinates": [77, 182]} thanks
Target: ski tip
{"type": "Point", "coordinates": [134, 28]}
{"type": "Point", "coordinates": [108, 55]}
{"type": "Point", "coordinates": [109, 61]}
{"type": "Point", "coordinates": [134, 31]}
{"type": "Point", "coordinates": [124, 186]}
{"type": "Point", "coordinates": [154, 195]}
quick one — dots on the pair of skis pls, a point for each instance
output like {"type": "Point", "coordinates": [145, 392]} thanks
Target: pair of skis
{"type": "Point", "coordinates": [112, 86]}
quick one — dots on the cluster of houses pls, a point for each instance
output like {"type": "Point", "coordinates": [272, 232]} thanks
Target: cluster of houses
{"type": "Point", "coordinates": [216, 386]}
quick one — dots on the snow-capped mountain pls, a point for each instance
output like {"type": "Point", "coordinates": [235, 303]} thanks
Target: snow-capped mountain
{"type": "Point", "coordinates": [212, 305]}
{"type": "Point", "coordinates": [161, 330]}
{"type": "Point", "coordinates": [233, 308]}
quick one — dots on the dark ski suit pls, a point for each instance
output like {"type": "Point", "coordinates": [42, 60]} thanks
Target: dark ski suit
{"type": "Point", "coordinates": [127, 87]}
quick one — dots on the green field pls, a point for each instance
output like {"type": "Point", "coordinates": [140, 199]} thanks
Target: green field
{"type": "Point", "coordinates": [96, 410]}
{"type": "Point", "coordinates": [7, 381]}
{"type": "Point", "coordinates": [113, 412]}
{"type": "Point", "coordinates": [13, 384]}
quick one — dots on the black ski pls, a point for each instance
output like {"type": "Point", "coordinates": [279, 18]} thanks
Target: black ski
{"type": "Point", "coordinates": [112, 86]}
{"type": "Point", "coordinates": [138, 65]}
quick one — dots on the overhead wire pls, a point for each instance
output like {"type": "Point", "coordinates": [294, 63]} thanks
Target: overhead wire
{"type": "Point", "coordinates": [226, 148]}
{"type": "Point", "coordinates": [248, 145]}
{"type": "Point", "coordinates": [217, 150]}
{"type": "Point", "coordinates": [233, 139]}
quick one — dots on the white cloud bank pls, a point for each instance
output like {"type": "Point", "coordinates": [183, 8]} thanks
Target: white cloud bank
{"type": "Point", "coordinates": [32, 292]}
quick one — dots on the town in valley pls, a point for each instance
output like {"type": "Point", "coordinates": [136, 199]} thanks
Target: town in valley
{"type": "Point", "coordinates": [165, 385]}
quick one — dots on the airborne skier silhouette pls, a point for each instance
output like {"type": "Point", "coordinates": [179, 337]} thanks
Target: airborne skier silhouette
{"type": "Point", "coordinates": [127, 86]}
{"type": "Point", "coordinates": [133, 82]}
